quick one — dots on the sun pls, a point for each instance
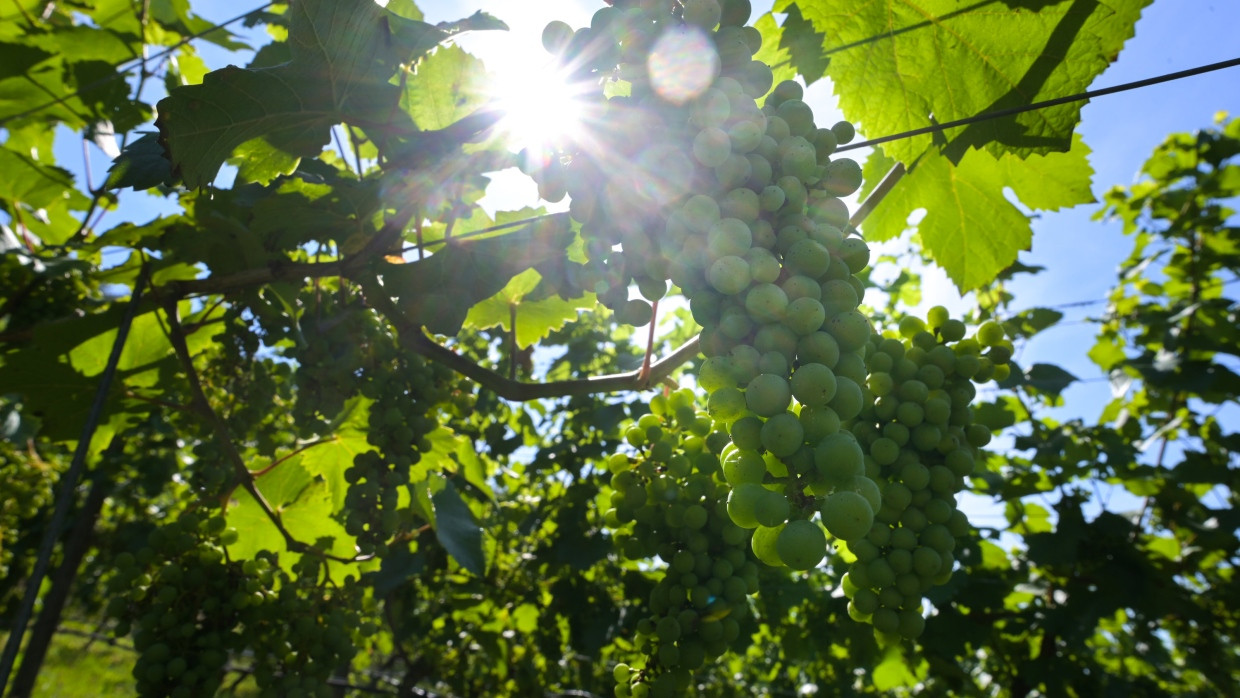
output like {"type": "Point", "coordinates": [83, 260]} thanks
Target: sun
{"type": "Point", "coordinates": [541, 107]}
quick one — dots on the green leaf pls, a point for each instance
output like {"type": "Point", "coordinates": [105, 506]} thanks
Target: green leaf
{"type": "Point", "coordinates": [141, 165]}
{"type": "Point", "coordinates": [35, 184]}
{"type": "Point", "coordinates": [970, 229]}
{"type": "Point", "coordinates": [473, 270]}
{"type": "Point", "coordinates": [805, 46]}
{"type": "Point", "coordinates": [534, 319]}
{"type": "Point", "coordinates": [446, 85]}
{"type": "Point", "coordinates": [344, 56]}
{"type": "Point", "coordinates": [897, 64]}
{"type": "Point", "coordinates": [456, 529]}
{"type": "Point", "coordinates": [1048, 378]}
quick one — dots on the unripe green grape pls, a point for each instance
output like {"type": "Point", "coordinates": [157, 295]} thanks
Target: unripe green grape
{"type": "Point", "coordinates": [903, 539]}
{"type": "Point", "coordinates": [768, 395]}
{"type": "Point", "coordinates": [800, 286]}
{"type": "Point", "coordinates": [850, 329]}
{"type": "Point", "coordinates": [825, 143]}
{"type": "Point", "coordinates": [783, 434]}
{"type": "Point", "coordinates": [764, 267]}
{"type": "Point", "coordinates": [819, 423]}
{"type": "Point", "coordinates": [773, 362]}
{"type": "Point", "coordinates": [795, 195]}
{"type": "Point", "coordinates": [927, 562]}
{"type": "Point", "coordinates": [745, 360]}
{"type": "Point", "coordinates": [844, 131]}
{"type": "Point", "coordinates": [729, 275]}
{"type": "Point", "coordinates": [801, 545]}
{"type": "Point", "coordinates": [911, 624]}
{"type": "Point", "coordinates": [726, 404]}
{"type": "Point", "coordinates": [804, 316]}
{"type": "Point", "coordinates": [978, 435]}
{"type": "Point", "coordinates": [743, 502]}
{"type": "Point", "coordinates": [952, 331]}
{"type": "Point", "coordinates": [813, 384]}
{"type": "Point", "coordinates": [848, 399]}
{"type": "Point", "coordinates": [746, 433]}
{"type": "Point", "coordinates": [910, 414]}
{"type": "Point", "coordinates": [798, 115]}
{"type": "Point", "coordinates": [766, 302]}
{"type": "Point", "coordinates": [915, 476]}
{"type": "Point", "coordinates": [867, 488]}
{"type": "Point", "coordinates": [735, 323]}
{"type": "Point", "coordinates": [808, 257]}
{"type": "Point", "coordinates": [852, 367]}
{"type": "Point", "coordinates": [729, 237]}
{"type": "Point", "coordinates": [838, 296]}
{"type": "Point", "coordinates": [843, 177]}
{"type": "Point", "coordinates": [702, 13]}
{"type": "Point", "coordinates": [741, 204]}
{"type": "Point", "coordinates": [819, 347]}
{"type": "Point", "coordinates": [847, 515]}
{"type": "Point", "coordinates": [772, 509]}
{"type": "Point", "coordinates": [717, 372]}
{"type": "Point", "coordinates": [855, 253]}
{"type": "Point", "coordinates": [711, 146]}
{"type": "Point", "coordinates": [555, 36]}
{"type": "Point", "coordinates": [763, 544]}
{"type": "Point", "coordinates": [798, 158]}
{"type": "Point", "coordinates": [734, 171]}
{"type": "Point", "coordinates": [838, 458]}
{"type": "Point", "coordinates": [775, 336]}
{"type": "Point", "coordinates": [990, 333]}
{"type": "Point", "coordinates": [743, 466]}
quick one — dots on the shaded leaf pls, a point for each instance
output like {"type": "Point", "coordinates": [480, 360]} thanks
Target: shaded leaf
{"type": "Point", "coordinates": [456, 529]}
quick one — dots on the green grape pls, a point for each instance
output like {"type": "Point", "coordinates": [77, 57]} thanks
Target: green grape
{"type": "Point", "coordinates": [850, 329]}
{"type": "Point", "coordinates": [712, 146]}
{"type": "Point", "coordinates": [844, 131]}
{"type": "Point", "coordinates": [820, 348]}
{"type": "Point", "coordinates": [848, 400]}
{"type": "Point", "coordinates": [743, 466]}
{"type": "Point", "coordinates": [767, 395]}
{"type": "Point", "coordinates": [726, 404]}
{"type": "Point", "coordinates": [808, 257]}
{"type": "Point", "coordinates": [783, 434]}
{"type": "Point", "coordinates": [838, 458]}
{"type": "Point", "coordinates": [555, 36]}
{"type": "Point", "coordinates": [843, 177]}
{"type": "Point", "coordinates": [743, 502]}
{"type": "Point", "coordinates": [813, 384]}
{"type": "Point", "coordinates": [801, 545]}
{"type": "Point", "coordinates": [801, 286]}
{"type": "Point", "coordinates": [990, 333]}
{"type": "Point", "coordinates": [804, 316]}
{"type": "Point", "coordinates": [798, 115]}
{"type": "Point", "coordinates": [766, 303]}
{"type": "Point", "coordinates": [729, 275]}
{"type": "Point", "coordinates": [847, 515]}
{"type": "Point", "coordinates": [764, 544]}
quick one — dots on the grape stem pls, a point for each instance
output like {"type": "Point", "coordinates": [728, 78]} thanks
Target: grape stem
{"type": "Point", "coordinates": [201, 405]}
{"type": "Point", "coordinates": [414, 337]}
{"type": "Point", "coordinates": [894, 175]}
{"type": "Point", "coordinates": [644, 371]}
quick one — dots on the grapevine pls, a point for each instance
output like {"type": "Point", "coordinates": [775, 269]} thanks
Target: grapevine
{"type": "Point", "coordinates": [828, 423]}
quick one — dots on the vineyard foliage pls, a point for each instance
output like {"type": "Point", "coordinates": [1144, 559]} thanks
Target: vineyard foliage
{"type": "Point", "coordinates": [328, 426]}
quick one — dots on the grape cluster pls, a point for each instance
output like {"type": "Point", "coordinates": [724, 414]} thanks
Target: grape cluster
{"type": "Point", "coordinates": [37, 289]}
{"type": "Point", "coordinates": [831, 429]}
{"type": "Point", "coordinates": [29, 486]}
{"type": "Point", "coordinates": [405, 389]}
{"type": "Point", "coordinates": [669, 501]}
{"type": "Point", "coordinates": [920, 442]}
{"type": "Point", "coordinates": [745, 200]}
{"type": "Point", "coordinates": [196, 611]}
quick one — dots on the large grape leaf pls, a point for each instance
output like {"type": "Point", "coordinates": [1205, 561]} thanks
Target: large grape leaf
{"type": "Point", "coordinates": [897, 64]}
{"type": "Point", "coordinates": [344, 55]}
{"type": "Point", "coordinates": [535, 319]}
{"type": "Point", "coordinates": [971, 230]}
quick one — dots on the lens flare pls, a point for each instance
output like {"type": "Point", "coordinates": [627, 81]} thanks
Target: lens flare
{"type": "Point", "coordinates": [541, 109]}
{"type": "Point", "coordinates": [682, 64]}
